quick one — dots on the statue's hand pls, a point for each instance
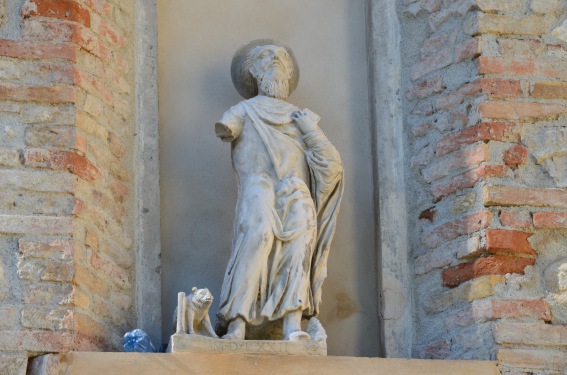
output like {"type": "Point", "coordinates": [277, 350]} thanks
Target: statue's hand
{"type": "Point", "coordinates": [306, 120]}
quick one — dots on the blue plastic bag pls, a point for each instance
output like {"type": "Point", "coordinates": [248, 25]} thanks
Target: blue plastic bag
{"type": "Point", "coordinates": [138, 341]}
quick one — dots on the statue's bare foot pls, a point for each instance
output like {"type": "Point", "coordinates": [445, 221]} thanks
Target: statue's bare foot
{"type": "Point", "coordinates": [236, 330]}
{"type": "Point", "coordinates": [299, 336]}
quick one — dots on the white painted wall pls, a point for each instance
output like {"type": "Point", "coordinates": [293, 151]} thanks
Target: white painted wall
{"type": "Point", "coordinates": [196, 41]}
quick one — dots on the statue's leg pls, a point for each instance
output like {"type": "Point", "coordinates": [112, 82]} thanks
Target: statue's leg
{"type": "Point", "coordinates": [292, 327]}
{"type": "Point", "coordinates": [236, 329]}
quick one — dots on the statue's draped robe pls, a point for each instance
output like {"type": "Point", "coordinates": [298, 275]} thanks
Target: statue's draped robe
{"type": "Point", "coordinates": [289, 190]}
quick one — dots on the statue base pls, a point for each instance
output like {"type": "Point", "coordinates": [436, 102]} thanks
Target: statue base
{"type": "Point", "coordinates": [184, 343]}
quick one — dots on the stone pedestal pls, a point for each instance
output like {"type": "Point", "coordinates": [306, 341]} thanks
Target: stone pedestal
{"type": "Point", "coordinates": [182, 343]}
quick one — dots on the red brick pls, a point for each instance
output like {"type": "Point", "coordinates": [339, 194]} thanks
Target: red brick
{"type": "Point", "coordinates": [62, 160]}
{"type": "Point", "coordinates": [508, 241]}
{"type": "Point", "coordinates": [531, 333]}
{"type": "Point", "coordinates": [516, 219]}
{"type": "Point", "coordinates": [46, 94]}
{"type": "Point", "coordinates": [525, 111]}
{"type": "Point", "coordinates": [426, 88]}
{"type": "Point", "coordinates": [501, 88]}
{"type": "Point", "coordinates": [435, 350]}
{"type": "Point", "coordinates": [110, 270]}
{"type": "Point", "coordinates": [550, 90]}
{"type": "Point", "coordinates": [122, 63]}
{"type": "Point", "coordinates": [485, 131]}
{"type": "Point", "coordinates": [93, 86]}
{"type": "Point", "coordinates": [116, 146]}
{"type": "Point", "coordinates": [550, 220]}
{"type": "Point", "coordinates": [431, 5]}
{"type": "Point", "coordinates": [90, 328]}
{"type": "Point", "coordinates": [515, 155]}
{"type": "Point", "coordinates": [118, 189]}
{"type": "Point", "coordinates": [432, 63]}
{"type": "Point", "coordinates": [91, 239]}
{"type": "Point", "coordinates": [512, 196]}
{"type": "Point", "coordinates": [111, 34]}
{"type": "Point", "coordinates": [38, 50]}
{"type": "Point", "coordinates": [458, 159]}
{"type": "Point", "coordinates": [459, 120]}
{"type": "Point", "coordinates": [117, 254]}
{"type": "Point", "coordinates": [523, 67]}
{"type": "Point", "coordinates": [84, 278]}
{"type": "Point", "coordinates": [458, 227]}
{"type": "Point", "coordinates": [491, 265]}
{"type": "Point", "coordinates": [102, 7]}
{"type": "Point", "coordinates": [512, 309]}
{"type": "Point", "coordinates": [458, 97]}
{"type": "Point", "coordinates": [466, 180]}
{"type": "Point", "coordinates": [68, 10]}
{"type": "Point", "coordinates": [467, 50]}
{"type": "Point", "coordinates": [434, 44]}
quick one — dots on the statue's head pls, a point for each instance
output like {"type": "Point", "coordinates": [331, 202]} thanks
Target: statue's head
{"type": "Point", "coordinates": [264, 67]}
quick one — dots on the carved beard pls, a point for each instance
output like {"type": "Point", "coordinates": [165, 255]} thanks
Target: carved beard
{"type": "Point", "coordinates": [274, 83]}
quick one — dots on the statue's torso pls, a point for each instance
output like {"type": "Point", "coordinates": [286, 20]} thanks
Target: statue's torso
{"type": "Point", "coordinates": [251, 158]}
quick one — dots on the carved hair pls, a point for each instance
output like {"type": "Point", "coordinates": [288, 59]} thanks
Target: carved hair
{"type": "Point", "coordinates": [244, 59]}
{"type": "Point", "coordinates": [251, 57]}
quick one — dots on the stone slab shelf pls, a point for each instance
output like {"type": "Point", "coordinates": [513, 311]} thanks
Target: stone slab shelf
{"type": "Point", "coordinates": [83, 363]}
{"type": "Point", "coordinates": [201, 344]}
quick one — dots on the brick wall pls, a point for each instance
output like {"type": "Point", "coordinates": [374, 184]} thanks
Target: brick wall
{"type": "Point", "coordinates": [485, 115]}
{"type": "Point", "coordinates": [66, 120]}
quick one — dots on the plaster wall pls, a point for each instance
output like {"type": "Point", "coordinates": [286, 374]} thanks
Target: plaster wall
{"type": "Point", "coordinates": [198, 191]}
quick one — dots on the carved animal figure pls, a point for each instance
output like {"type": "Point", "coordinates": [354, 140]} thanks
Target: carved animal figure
{"type": "Point", "coordinates": [195, 314]}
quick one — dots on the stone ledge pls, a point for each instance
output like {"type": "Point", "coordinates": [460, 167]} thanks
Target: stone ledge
{"type": "Point", "coordinates": [84, 363]}
{"type": "Point", "coordinates": [183, 343]}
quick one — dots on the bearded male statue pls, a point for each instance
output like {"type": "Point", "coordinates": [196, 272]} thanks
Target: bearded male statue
{"type": "Point", "coordinates": [290, 184]}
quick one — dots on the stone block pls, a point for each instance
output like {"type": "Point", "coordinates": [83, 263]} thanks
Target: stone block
{"type": "Point", "coordinates": [498, 6]}
{"type": "Point", "coordinates": [513, 196]}
{"type": "Point", "coordinates": [543, 6]}
{"type": "Point", "coordinates": [524, 111]}
{"type": "Point", "coordinates": [184, 343]}
{"type": "Point", "coordinates": [550, 90]}
{"type": "Point", "coordinates": [13, 364]}
{"type": "Point", "coordinates": [10, 317]}
{"type": "Point", "coordinates": [535, 359]}
{"type": "Point", "coordinates": [531, 334]}
{"type": "Point", "coordinates": [502, 24]}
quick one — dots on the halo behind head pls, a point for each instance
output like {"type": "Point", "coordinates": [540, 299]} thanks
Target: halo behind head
{"type": "Point", "coordinates": [242, 79]}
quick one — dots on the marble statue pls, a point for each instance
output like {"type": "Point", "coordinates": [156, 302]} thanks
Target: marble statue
{"type": "Point", "coordinates": [191, 315]}
{"type": "Point", "coordinates": [290, 184]}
